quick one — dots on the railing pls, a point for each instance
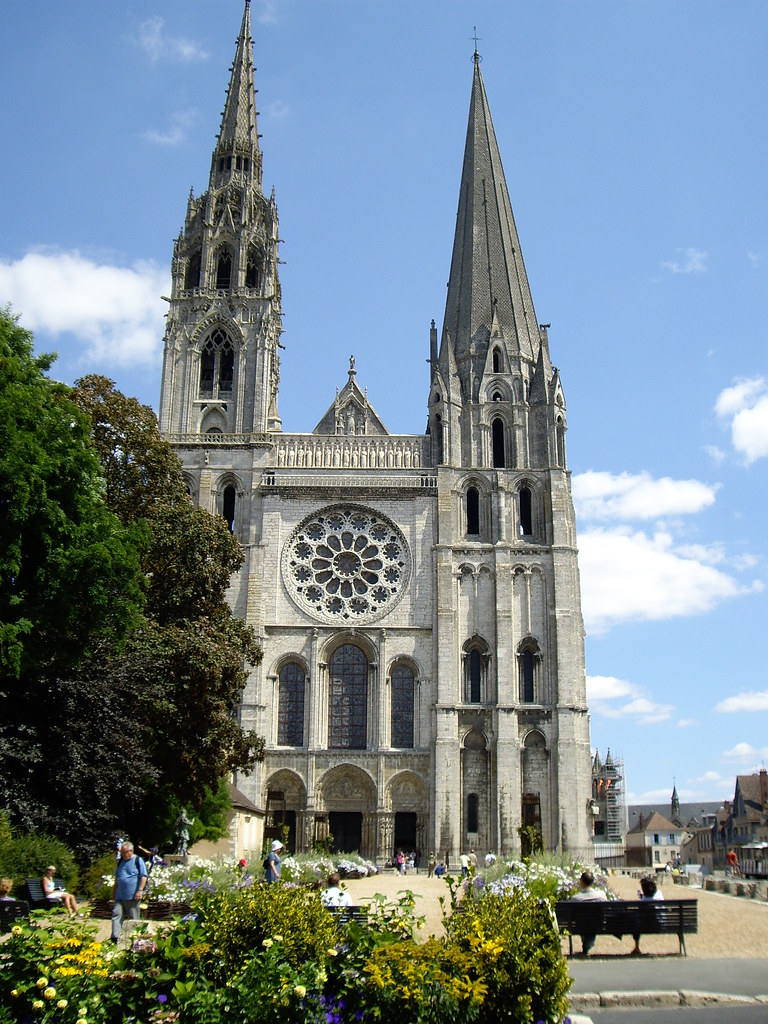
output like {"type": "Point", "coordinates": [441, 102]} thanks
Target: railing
{"type": "Point", "coordinates": [342, 451]}
{"type": "Point", "coordinates": [292, 478]}
{"type": "Point", "coordinates": [217, 440]}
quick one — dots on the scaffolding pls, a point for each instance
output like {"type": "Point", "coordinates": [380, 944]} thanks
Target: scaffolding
{"type": "Point", "coordinates": [609, 806]}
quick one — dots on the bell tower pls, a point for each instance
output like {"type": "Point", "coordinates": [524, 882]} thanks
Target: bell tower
{"type": "Point", "coordinates": [221, 363]}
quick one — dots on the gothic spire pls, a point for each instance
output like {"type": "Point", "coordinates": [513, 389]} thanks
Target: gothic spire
{"type": "Point", "coordinates": [488, 279]}
{"type": "Point", "coordinates": [237, 145]}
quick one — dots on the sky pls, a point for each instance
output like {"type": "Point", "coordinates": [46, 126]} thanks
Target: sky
{"type": "Point", "coordinates": [634, 136]}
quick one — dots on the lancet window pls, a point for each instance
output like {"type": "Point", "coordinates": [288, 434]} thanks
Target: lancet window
{"type": "Point", "coordinates": [347, 698]}
{"type": "Point", "coordinates": [402, 692]}
{"type": "Point", "coordinates": [217, 366]}
{"type": "Point", "coordinates": [290, 705]}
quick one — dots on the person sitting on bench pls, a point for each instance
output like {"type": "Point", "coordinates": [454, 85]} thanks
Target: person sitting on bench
{"type": "Point", "coordinates": [648, 891]}
{"type": "Point", "coordinates": [54, 895]}
{"type": "Point", "coordinates": [588, 894]}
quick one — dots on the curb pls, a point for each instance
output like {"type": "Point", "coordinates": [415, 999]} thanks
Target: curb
{"type": "Point", "coordinates": [684, 997]}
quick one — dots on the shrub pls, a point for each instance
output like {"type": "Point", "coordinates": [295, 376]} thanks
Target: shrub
{"type": "Point", "coordinates": [28, 854]}
{"type": "Point", "coordinates": [92, 880]}
{"type": "Point", "coordinates": [237, 923]}
{"type": "Point", "coordinates": [516, 951]}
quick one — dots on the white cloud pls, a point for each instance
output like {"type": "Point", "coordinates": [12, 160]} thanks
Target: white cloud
{"type": "Point", "coordinates": [694, 261]}
{"type": "Point", "coordinates": [181, 122]}
{"type": "Point", "coordinates": [756, 260]}
{"type": "Point", "coordinates": [158, 45]}
{"type": "Point", "coordinates": [607, 496]}
{"type": "Point", "coordinates": [267, 12]}
{"type": "Point", "coordinates": [628, 575]}
{"type": "Point", "coordinates": [746, 754]}
{"type": "Point", "coordinates": [752, 701]}
{"type": "Point", "coordinates": [687, 723]}
{"type": "Point", "coordinates": [745, 406]}
{"type": "Point", "coordinates": [615, 698]}
{"type": "Point", "coordinates": [115, 313]}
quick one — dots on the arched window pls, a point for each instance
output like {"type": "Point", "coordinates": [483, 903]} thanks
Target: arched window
{"type": "Point", "coordinates": [560, 438]}
{"type": "Point", "coordinates": [224, 271]}
{"type": "Point", "coordinates": [526, 677]}
{"type": "Point", "coordinates": [497, 440]}
{"type": "Point", "coordinates": [347, 699]}
{"type": "Point", "coordinates": [437, 441]}
{"type": "Point", "coordinates": [472, 812]}
{"type": "Point", "coordinates": [217, 366]}
{"type": "Point", "coordinates": [192, 275]}
{"type": "Point", "coordinates": [228, 499]}
{"type": "Point", "coordinates": [475, 676]}
{"type": "Point", "coordinates": [252, 271]}
{"type": "Point", "coordinates": [528, 664]}
{"type": "Point", "coordinates": [402, 691]}
{"type": "Point", "coordinates": [526, 518]}
{"type": "Point", "coordinates": [290, 706]}
{"type": "Point", "coordinates": [473, 512]}
{"type": "Point", "coordinates": [496, 361]}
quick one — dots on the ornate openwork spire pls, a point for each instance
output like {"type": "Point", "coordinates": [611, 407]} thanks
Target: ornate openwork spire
{"type": "Point", "coordinates": [488, 281]}
{"type": "Point", "coordinates": [237, 146]}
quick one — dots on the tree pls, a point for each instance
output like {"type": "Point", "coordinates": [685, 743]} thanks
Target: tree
{"type": "Point", "coordinates": [69, 570]}
{"type": "Point", "coordinates": [121, 662]}
{"type": "Point", "coordinates": [188, 659]}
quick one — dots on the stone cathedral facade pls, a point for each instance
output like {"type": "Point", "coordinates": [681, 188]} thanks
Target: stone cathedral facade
{"type": "Point", "coordinates": [417, 596]}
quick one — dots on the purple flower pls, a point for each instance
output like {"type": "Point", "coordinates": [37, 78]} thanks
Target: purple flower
{"type": "Point", "coordinates": [162, 999]}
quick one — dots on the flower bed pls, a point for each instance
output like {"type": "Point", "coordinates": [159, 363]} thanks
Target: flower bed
{"type": "Point", "coordinates": [273, 953]}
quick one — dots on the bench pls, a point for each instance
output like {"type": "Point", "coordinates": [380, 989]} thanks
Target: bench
{"type": "Point", "coordinates": [628, 917]}
{"type": "Point", "coordinates": [350, 915]}
{"type": "Point", "coordinates": [11, 912]}
{"type": "Point", "coordinates": [37, 898]}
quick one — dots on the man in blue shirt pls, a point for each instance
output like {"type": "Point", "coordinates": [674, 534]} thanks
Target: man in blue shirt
{"type": "Point", "coordinates": [130, 882]}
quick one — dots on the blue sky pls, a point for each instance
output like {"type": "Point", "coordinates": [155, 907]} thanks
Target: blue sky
{"type": "Point", "coordinates": [634, 137]}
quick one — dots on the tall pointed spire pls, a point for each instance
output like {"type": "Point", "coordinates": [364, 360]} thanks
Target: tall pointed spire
{"type": "Point", "coordinates": [237, 145]}
{"type": "Point", "coordinates": [488, 281]}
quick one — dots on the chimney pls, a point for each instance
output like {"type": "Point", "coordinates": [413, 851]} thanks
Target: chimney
{"type": "Point", "coordinates": [763, 788]}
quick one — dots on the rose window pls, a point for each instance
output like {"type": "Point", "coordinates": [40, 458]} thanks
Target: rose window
{"type": "Point", "coordinates": [346, 564]}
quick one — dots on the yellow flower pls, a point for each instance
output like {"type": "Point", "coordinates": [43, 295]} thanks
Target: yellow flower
{"type": "Point", "coordinates": [300, 991]}
{"type": "Point", "coordinates": [62, 1004]}
{"type": "Point", "coordinates": [38, 1004]}
{"type": "Point", "coordinates": [278, 938]}
{"type": "Point", "coordinates": [82, 1020]}
{"type": "Point", "coordinates": [333, 951]}
{"type": "Point", "coordinates": [16, 930]}
{"type": "Point", "coordinates": [14, 992]}
{"type": "Point", "coordinates": [50, 992]}
{"type": "Point", "coordinates": [41, 982]}
{"type": "Point", "coordinates": [266, 943]}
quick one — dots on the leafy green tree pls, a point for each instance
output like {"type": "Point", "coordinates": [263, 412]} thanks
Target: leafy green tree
{"type": "Point", "coordinates": [188, 659]}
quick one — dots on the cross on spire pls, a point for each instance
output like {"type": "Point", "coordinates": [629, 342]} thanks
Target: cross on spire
{"type": "Point", "coordinates": [475, 55]}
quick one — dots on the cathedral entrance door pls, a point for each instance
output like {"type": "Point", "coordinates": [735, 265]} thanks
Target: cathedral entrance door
{"type": "Point", "coordinates": [405, 831]}
{"type": "Point", "coordinates": [347, 831]}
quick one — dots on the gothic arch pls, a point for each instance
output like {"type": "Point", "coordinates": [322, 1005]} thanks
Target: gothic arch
{"type": "Point", "coordinates": [347, 787]}
{"type": "Point", "coordinates": [291, 784]}
{"type": "Point", "coordinates": [476, 670]}
{"type": "Point", "coordinates": [475, 790]}
{"type": "Point", "coordinates": [356, 639]}
{"type": "Point", "coordinates": [407, 791]}
{"type": "Point", "coordinates": [228, 493]}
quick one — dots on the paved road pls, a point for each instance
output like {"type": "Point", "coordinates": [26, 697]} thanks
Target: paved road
{"type": "Point", "coordinates": [684, 1015]}
{"type": "Point", "coordinates": [636, 974]}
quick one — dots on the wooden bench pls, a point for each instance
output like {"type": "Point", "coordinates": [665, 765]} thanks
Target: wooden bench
{"type": "Point", "coordinates": [628, 917]}
{"type": "Point", "coordinates": [11, 912]}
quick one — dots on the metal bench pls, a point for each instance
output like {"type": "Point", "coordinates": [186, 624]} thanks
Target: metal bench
{"type": "Point", "coordinates": [349, 915]}
{"type": "Point", "coordinates": [628, 917]}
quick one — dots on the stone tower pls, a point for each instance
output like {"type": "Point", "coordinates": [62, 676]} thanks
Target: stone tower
{"type": "Point", "coordinates": [417, 596]}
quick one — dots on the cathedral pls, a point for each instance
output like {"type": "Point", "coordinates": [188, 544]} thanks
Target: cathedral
{"type": "Point", "coordinates": [417, 596]}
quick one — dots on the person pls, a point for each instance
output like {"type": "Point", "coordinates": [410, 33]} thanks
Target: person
{"type": "Point", "coordinates": [130, 883]}
{"type": "Point", "coordinates": [153, 858]}
{"type": "Point", "coordinates": [440, 870]}
{"type": "Point", "coordinates": [648, 891]}
{"type": "Point", "coordinates": [733, 864]}
{"type": "Point", "coordinates": [6, 884]}
{"type": "Point", "coordinates": [490, 859]}
{"type": "Point", "coordinates": [464, 860]}
{"type": "Point", "coordinates": [431, 864]}
{"type": "Point", "coordinates": [400, 862]}
{"type": "Point", "coordinates": [334, 895]}
{"type": "Point", "coordinates": [272, 866]}
{"type": "Point", "coordinates": [56, 895]}
{"type": "Point", "coordinates": [588, 894]}
{"type": "Point", "coordinates": [473, 860]}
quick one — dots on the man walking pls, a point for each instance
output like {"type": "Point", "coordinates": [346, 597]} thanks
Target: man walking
{"type": "Point", "coordinates": [130, 882]}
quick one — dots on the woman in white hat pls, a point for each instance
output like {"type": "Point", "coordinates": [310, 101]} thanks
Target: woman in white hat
{"type": "Point", "coordinates": [272, 863]}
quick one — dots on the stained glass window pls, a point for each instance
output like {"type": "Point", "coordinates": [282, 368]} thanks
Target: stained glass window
{"type": "Point", "coordinates": [348, 699]}
{"type": "Point", "coordinates": [402, 706]}
{"type": "Point", "coordinates": [290, 706]}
